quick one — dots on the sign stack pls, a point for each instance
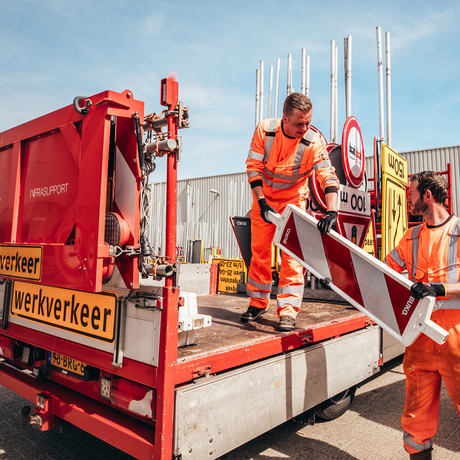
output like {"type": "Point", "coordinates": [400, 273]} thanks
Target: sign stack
{"type": "Point", "coordinates": [394, 202]}
{"type": "Point", "coordinates": [354, 207]}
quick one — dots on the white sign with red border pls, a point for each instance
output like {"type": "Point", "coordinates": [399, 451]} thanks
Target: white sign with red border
{"type": "Point", "coordinates": [367, 283]}
{"type": "Point", "coordinates": [353, 152]}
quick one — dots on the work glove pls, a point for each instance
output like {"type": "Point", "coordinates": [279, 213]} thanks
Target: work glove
{"type": "Point", "coordinates": [421, 289]}
{"type": "Point", "coordinates": [326, 222]}
{"type": "Point", "coordinates": [265, 208]}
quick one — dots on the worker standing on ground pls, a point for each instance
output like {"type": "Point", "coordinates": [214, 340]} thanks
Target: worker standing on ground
{"type": "Point", "coordinates": [283, 154]}
{"type": "Point", "coordinates": [430, 252]}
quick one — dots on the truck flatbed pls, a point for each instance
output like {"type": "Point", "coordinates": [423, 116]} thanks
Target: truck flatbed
{"type": "Point", "coordinates": [229, 342]}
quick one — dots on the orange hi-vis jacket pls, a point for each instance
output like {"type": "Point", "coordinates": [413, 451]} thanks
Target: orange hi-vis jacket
{"type": "Point", "coordinates": [430, 254]}
{"type": "Point", "coordinates": [284, 163]}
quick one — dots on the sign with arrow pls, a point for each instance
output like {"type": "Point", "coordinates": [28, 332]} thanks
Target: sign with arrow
{"type": "Point", "coordinates": [394, 165]}
{"type": "Point", "coordinates": [394, 213]}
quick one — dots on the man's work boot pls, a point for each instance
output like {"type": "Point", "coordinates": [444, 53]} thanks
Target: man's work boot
{"type": "Point", "coordinates": [423, 455]}
{"type": "Point", "coordinates": [252, 313]}
{"type": "Point", "coordinates": [287, 323]}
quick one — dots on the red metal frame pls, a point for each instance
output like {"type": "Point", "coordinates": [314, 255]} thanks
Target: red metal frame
{"type": "Point", "coordinates": [58, 167]}
{"type": "Point", "coordinates": [119, 430]}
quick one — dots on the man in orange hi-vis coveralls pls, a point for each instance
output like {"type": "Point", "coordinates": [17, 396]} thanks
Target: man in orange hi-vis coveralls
{"type": "Point", "coordinates": [283, 154]}
{"type": "Point", "coordinates": [430, 252]}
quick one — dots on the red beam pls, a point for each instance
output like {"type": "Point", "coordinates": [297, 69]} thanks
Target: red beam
{"type": "Point", "coordinates": [113, 427]}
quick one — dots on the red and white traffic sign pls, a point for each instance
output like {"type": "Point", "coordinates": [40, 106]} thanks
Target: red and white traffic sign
{"type": "Point", "coordinates": [353, 227]}
{"type": "Point", "coordinates": [353, 152]}
{"type": "Point", "coordinates": [367, 283]}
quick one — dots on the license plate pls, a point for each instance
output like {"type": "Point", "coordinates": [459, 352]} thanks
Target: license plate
{"type": "Point", "coordinates": [67, 365]}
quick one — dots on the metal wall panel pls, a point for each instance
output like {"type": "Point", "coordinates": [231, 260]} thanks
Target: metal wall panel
{"type": "Point", "coordinates": [204, 207]}
{"type": "Point", "coordinates": [435, 159]}
{"type": "Point", "coordinates": [203, 214]}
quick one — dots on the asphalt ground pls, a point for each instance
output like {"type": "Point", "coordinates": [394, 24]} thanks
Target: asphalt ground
{"type": "Point", "coordinates": [370, 429]}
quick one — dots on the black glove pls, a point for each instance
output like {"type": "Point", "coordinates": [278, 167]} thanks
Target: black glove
{"type": "Point", "coordinates": [264, 209]}
{"type": "Point", "coordinates": [326, 222]}
{"type": "Point", "coordinates": [421, 289]}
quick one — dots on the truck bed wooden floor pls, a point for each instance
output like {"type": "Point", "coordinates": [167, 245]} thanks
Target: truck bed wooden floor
{"type": "Point", "coordinates": [228, 332]}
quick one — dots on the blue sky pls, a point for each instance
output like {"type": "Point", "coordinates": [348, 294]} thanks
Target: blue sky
{"type": "Point", "coordinates": [53, 50]}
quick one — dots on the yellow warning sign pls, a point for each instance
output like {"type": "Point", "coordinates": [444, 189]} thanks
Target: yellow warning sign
{"type": "Point", "coordinates": [19, 261]}
{"type": "Point", "coordinates": [81, 312]}
{"type": "Point", "coordinates": [229, 274]}
{"type": "Point", "coordinates": [394, 213]}
{"type": "Point", "coordinates": [369, 242]}
{"type": "Point", "coordinates": [394, 165]}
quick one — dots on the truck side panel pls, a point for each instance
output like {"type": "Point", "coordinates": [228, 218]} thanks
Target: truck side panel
{"type": "Point", "coordinates": [219, 413]}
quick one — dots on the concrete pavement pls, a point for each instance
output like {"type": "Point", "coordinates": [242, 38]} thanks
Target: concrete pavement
{"type": "Point", "coordinates": [370, 429]}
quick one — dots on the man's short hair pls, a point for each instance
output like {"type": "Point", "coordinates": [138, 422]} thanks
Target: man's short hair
{"type": "Point", "coordinates": [296, 101]}
{"type": "Point", "coordinates": [434, 182]}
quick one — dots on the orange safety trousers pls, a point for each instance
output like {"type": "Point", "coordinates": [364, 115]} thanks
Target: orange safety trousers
{"type": "Point", "coordinates": [426, 363]}
{"type": "Point", "coordinates": [291, 277]}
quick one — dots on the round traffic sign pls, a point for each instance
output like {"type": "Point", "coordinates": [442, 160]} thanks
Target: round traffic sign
{"type": "Point", "coordinates": [316, 192]}
{"type": "Point", "coordinates": [353, 152]}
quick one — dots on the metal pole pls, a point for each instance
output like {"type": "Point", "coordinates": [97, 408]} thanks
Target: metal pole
{"type": "Point", "coordinates": [345, 65]}
{"type": "Point", "coordinates": [332, 117]}
{"type": "Point", "coordinates": [169, 316]}
{"type": "Point", "coordinates": [261, 102]}
{"type": "Point", "coordinates": [277, 86]}
{"type": "Point", "coordinates": [289, 75]}
{"type": "Point", "coordinates": [270, 91]}
{"type": "Point", "coordinates": [347, 53]}
{"type": "Point", "coordinates": [302, 83]}
{"type": "Point", "coordinates": [449, 188]}
{"type": "Point", "coordinates": [307, 83]}
{"type": "Point", "coordinates": [336, 95]}
{"type": "Point", "coordinates": [388, 81]}
{"type": "Point", "coordinates": [380, 75]}
{"type": "Point", "coordinates": [257, 95]}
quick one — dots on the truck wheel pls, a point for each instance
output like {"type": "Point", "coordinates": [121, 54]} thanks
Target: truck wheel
{"type": "Point", "coordinates": [336, 406]}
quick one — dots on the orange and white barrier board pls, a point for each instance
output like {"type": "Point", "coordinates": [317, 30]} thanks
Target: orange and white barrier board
{"type": "Point", "coordinates": [367, 283]}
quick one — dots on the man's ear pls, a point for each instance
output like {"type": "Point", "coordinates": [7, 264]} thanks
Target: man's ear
{"type": "Point", "coordinates": [428, 195]}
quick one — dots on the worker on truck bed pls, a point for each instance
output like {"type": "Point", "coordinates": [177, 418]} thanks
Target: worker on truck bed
{"type": "Point", "coordinates": [283, 154]}
{"type": "Point", "coordinates": [430, 252]}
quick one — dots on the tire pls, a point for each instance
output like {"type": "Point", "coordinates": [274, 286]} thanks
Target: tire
{"type": "Point", "coordinates": [336, 406]}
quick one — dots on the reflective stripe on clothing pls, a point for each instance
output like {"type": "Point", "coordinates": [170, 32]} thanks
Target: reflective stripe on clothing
{"type": "Point", "coordinates": [322, 164]}
{"type": "Point", "coordinates": [261, 286]}
{"type": "Point", "coordinates": [268, 145]}
{"type": "Point", "coordinates": [291, 289]}
{"type": "Point", "coordinates": [415, 445]}
{"type": "Point", "coordinates": [270, 137]}
{"type": "Point", "coordinates": [394, 254]}
{"type": "Point", "coordinates": [415, 239]}
{"type": "Point", "coordinates": [310, 135]}
{"type": "Point", "coordinates": [447, 304]}
{"type": "Point", "coordinates": [255, 155]}
{"type": "Point", "coordinates": [253, 174]}
{"type": "Point", "coordinates": [331, 181]}
{"type": "Point", "coordinates": [258, 294]}
{"type": "Point", "coordinates": [289, 301]}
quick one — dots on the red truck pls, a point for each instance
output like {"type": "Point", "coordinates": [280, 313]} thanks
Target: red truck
{"type": "Point", "coordinates": [87, 338]}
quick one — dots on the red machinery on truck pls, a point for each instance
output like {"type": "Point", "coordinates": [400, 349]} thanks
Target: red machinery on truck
{"type": "Point", "coordinates": [86, 337]}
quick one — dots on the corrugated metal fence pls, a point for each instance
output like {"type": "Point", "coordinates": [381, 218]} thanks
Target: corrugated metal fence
{"type": "Point", "coordinates": [206, 203]}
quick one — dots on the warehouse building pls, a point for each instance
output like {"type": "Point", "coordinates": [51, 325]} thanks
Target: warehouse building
{"type": "Point", "coordinates": [205, 204]}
